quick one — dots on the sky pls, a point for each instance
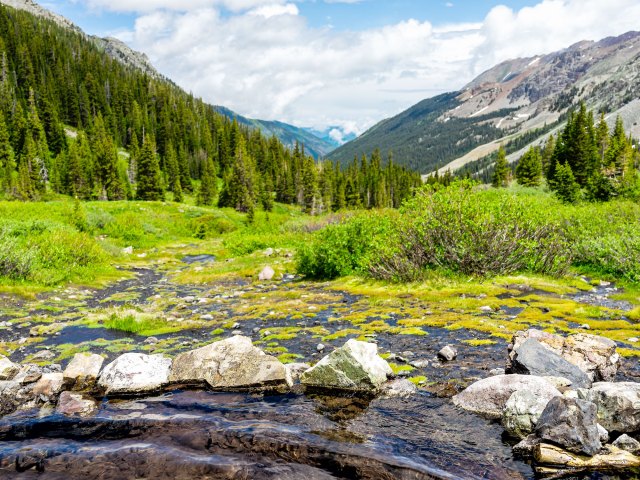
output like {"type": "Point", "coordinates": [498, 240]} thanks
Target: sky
{"type": "Point", "coordinates": [340, 63]}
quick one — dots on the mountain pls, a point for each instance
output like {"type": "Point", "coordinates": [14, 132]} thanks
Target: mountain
{"type": "Point", "coordinates": [118, 50]}
{"type": "Point", "coordinates": [286, 133]}
{"type": "Point", "coordinates": [518, 101]}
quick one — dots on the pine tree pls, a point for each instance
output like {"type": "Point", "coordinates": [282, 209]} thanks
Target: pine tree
{"type": "Point", "coordinates": [501, 170]}
{"type": "Point", "coordinates": [208, 187]}
{"type": "Point", "coordinates": [566, 187]}
{"type": "Point", "coordinates": [148, 186]}
{"type": "Point", "coordinates": [529, 168]}
{"type": "Point", "coordinates": [7, 160]}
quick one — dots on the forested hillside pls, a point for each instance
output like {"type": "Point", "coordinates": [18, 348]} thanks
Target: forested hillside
{"type": "Point", "coordinates": [75, 121]}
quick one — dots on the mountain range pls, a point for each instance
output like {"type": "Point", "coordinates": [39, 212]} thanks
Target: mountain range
{"type": "Point", "coordinates": [517, 103]}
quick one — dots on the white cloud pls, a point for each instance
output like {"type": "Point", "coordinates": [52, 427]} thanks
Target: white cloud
{"type": "Point", "coordinates": [266, 61]}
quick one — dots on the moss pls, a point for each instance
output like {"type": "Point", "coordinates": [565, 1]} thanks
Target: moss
{"type": "Point", "coordinates": [629, 352]}
{"type": "Point", "coordinates": [400, 368]}
{"type": "Point", "coordinates": [418, 380]}
{"type": "Point", "coordinates": [479, 342]}
{"type": "Point", "coordinates": [218, 331]}
{"type": "Point", "coordinates": [289, 357]}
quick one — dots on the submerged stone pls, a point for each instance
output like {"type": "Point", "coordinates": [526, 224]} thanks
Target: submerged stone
{"type": "Point", "coordinates": [355, 366]}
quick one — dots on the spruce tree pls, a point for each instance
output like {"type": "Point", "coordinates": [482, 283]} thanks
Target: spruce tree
{"type": "Point", "coordinates": [148, 186]}
{"type": "Point", "coordinates": [501, 170]}
{"type": "Point", "coordinates": [566, 187]}
{"type": "Point", "coordinates": [529, 168]}
{"type": "Point", "coordinates": [7, 160]}
{"type": "Point", "coordinates": [208, 185]}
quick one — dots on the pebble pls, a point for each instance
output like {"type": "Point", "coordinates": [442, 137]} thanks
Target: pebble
{"type": "Point", "coordinates": [585, 326]}
{"type": "Point", "coordinates": [266, 333]}
{"type": "Point", "coordinates": [496, 371]}
{"type": "Point", "coordinates": [633, 340]}
{"type": "Point", "coordinates": [448, 353]}
{"type": "Point", "coordinates": [207, 316]}
{"type": "Point", "coordinates": [486, 309]}
{"type": "Point", "coordinates": [236, 325]}
{"type": "Point", "coordinates": [320, 347]}
{"type": "Point", "coordinates": [256, 329]}
{"type": "Point", "coordinates": [236, 332]}
{"type": "Point", "coordinates": [420, 363]}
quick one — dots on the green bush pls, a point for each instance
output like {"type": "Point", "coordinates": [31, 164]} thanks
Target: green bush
{"type": "Point", "coordinates": [345, 248]}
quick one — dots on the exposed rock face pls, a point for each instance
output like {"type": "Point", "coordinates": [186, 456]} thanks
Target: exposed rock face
{"type": "Point", "coordinates": [133, 373]}
{"type": "Point", "coordinates": [625, 442]}
{"type": "Point", "coordinates": [71, 403]}
{"type": "Point", "coordinates": [594, 355]}
{"type": "Point", "coordinates": [448, 353]}
{"type": "Point", "coordinates": [355, 366]}
{"type": "Point", "coordinates": [572, 424]}
{"type": "Point", "coordinates": [532, 358]}
{"type": "Point", "coordinates": [233, 363]}
{"type": "Point", "coordinates": [618, 405]}
{"type": "Point", "coordinates": [83, 371]}
{"type": "Point", "coordinates": [8, 369]}
{"type": "Point", "coordinates": [521, 413]}
{"type": "Point", "coordinates": [49, 385]}
{"type": "Point", "coordinates": [489, 396]}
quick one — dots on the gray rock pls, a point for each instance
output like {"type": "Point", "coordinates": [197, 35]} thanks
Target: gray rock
{"type": "Point", "coordinates": [497, 371]}
{"type": "Point", "coordinates": [594, 355]}
{"type": "Point", "coordinates": [294, 371]}
{"type": "Point", "coordinates": [43, 355]}
{"type": "Point", "coordinates": [355, 366]}
{"type": "Point", "coordinates": [603, 434]}
{"type": "Point", "coordinates": [521, 413]}
{"type": "Point", "coordinates": [526, 446]}
{"type": "Point", "coordinates": [422, 363]}
{"type": "Point", "coordinates": [571, 424]}
{"type": "Point", "coordinates": [233, 363]}
{"type": "Point", "coordinates": [625, 442]}
{"type": "Point", "coordinates": [267, 273]}
{"type": "Point", "coordinates": [49, 385]}
{"type": "Point", "coordinates": [268, 252]}
{"type": "Point", "coordinates": [320, 347]}
{"type": "Point", "coordinates": [532, 358]}
{"type": "Point", "coordinates": [489, 396]}
{"type": "Point", "coordinates": [448, 353]}
{"type": "Point", "coordinates": [132, 373]}
{"type": "Point", "coordinates": [399, 388]}
{"type": "Point", "coordinates": [8, 369]}
{"type": "Point", "coordinates": [71, 403]}
{"type": "Point", "coordinates": [83, 371]}
{"type": "Point", "coordinates": [618, 405]}
{"type": "Point", "coordinates": [486, 309]}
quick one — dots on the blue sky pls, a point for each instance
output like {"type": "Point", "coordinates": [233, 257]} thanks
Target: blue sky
{"type": "Point", "coordinates": [345, 63]}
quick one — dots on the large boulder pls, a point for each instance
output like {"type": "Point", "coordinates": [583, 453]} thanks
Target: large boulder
{"type": "Point", "coordinates": [133, 373]}
{"type": "Point", "coordinates": [355, 366]}
{"type": "Point", "coordinates": [618, 405]}
{"type": "Point", "coordinates": [83, 371]}
{"type": "Point", "coordinates": [594, 355]}
{"type": "Point", "coordinates": [572, 424]}
{"type": "Point", "coordinates": [532, 358]}
{"type": "Point", "coordinates": [8, 369]}
{"type": "Point", "coordinates": [489, 396]}
{"type": "Point", "coordinates": [522, 411]}
{"type": "Point", "coordinates": [234, 363]}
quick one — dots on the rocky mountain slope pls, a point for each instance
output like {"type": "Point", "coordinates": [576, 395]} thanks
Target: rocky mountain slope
{"type": "Point", "coordinates": [517, 97]}
{"type": "Point", "coordinates": [287, 134]}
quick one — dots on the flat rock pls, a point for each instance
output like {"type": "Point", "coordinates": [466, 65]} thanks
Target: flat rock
{"type": "Point", "coordinates": [8, 369]}
{"type": "Point", "coordinates": [489, 396]}
{"type": "Point", "coordinates": [618, 405]}
{"type": "Point", "coordinates": [399, 388]}
{"type": "Point", "coordinates": [533, 358]}
{"type": "Point", "coordinates": [72, 403]}
{"type": "Point", "coordinates": [83, 371]}
{"type": "Point", "coordinates": [355, 366]}
{"type": "Point", "coordinates": [572, 424]}
{"type": "Point", "coordinates": [133, 373]}
{"type": "Point", "coordinates": [625, 442]}
{"type": "Point", "coordinates": [611, 458]}
{"type": "Point", "coordinates": [233, 363]}
{"type": "Point", "coordinates": [521, 413]}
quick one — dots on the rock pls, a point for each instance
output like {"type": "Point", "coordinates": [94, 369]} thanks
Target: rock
{"type": "Point", "coordinates": [618, 405]}
{"type": "Point", "coordinates": [355, 366]}
{"type": "Point", "coordinates": [207, 317]}
{"type": "Point", "coordinates": [625, 442]}
{"type": "Point", "coordinates": [594, 355]}
{"type": "Point", "coordinates": [268, 252]}
{"type": "Point", "coordinates": [8, 369]}
{"type": "Point", "coordinates": [611, 459]}
{"type": "Point", "coordinates": [558, 382]}
{"type": "Point", "coordinates": [489, 396]}
{"type": "Point", "coordinates": [127, 250]}
{"type": "Point", "coordinates": [448, 353]}
{"type": "Point", "coordinates": [497, 371]}
{"type": "Point", "coordinates": [9, 396]}
{"type": "Point", "coordinates": [135, 373]}
{"type": "Point", "coordinates": [267, 273]}
{"type": "Point", "coordinates": [400, 388]}
{"type": "Point", "coordinates": [83, 371]}
{"type": "Point", "coordinates": [233, 363]}
{"type": "Point", "coordinates": [28, 374]}
{"type": "Point", "coordinates": [532, 358]}
{"type": "Point", "coordinates": [632, 340]}
{"type": "Point", "coordinates": [521, 413]}
{"type": "Point", "coordinates": [320, 347]}
{"type": "Point", "coordinates": [49, 385]}
{"type": "Point", "coordinates": [423, 363]}
{"type": "Point", "coordinates": [75, 404]}
{"type": "Point", "coordinates": [43, 355]}
{"type": "Point", "coordinates": [603, 434]}
{"type": "Point", "coordinates": [486, 309]}
{"type": "Point", "coordinates": [294, 371]}
{"type": "Point", "coordinates": [572, 424]}
{"type": "Point", "coordinates": [526, 446]}
{"type": "Point", "coordinates": [151, 340]}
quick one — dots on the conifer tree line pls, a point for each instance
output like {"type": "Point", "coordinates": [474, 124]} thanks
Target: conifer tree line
{"type": "Point", "coordinates": [74, 121]}
{"type": "Point", "coordinates": [585, 161]}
